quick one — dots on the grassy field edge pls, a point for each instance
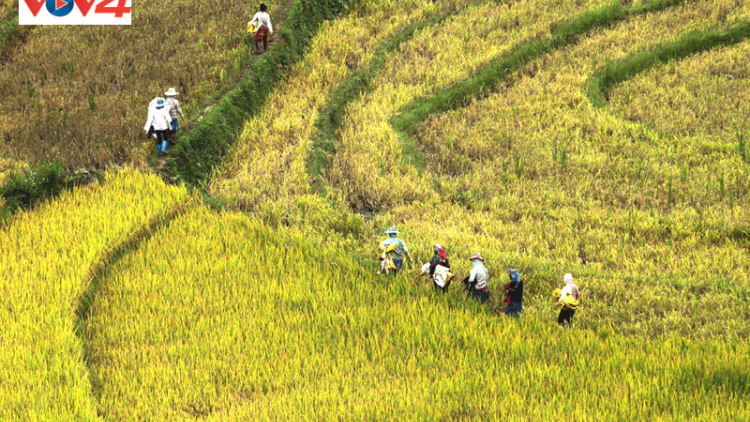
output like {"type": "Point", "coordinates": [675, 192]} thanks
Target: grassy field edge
{"type": "Point", "coordinates": [205, 145]}
{"type": "Point", "coordinates": [197, 153]}
{"type": "Point", "coordinates": [485, 81]}
{"type": "Point", "coordinates": [360, 82]}
{"type": "Point", "coordinates": [99, 271]}
{"type": "Point", "coordinates": [598, 87]}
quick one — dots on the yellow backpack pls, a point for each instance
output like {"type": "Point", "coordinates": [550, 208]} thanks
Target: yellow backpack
{"type": "Point", "coordinates": [569, 302]}
{"type": "Point", "coordinates": [252, 26]}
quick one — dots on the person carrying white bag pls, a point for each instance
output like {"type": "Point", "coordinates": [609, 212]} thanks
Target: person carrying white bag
{"type": "Point", "coordinates": [439, 269]}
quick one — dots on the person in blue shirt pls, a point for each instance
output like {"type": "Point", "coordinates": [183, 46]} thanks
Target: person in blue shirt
{"type": "Point", "coordinates": [397, 255]}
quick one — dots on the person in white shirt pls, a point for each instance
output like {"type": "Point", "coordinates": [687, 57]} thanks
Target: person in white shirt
{"type": "Point", "coordinates": [477, 281]}
{"type": "Point", "coordinates": [263, 27]}
{"type": "Point", "coordinates": [173, 105]}
{"type": "Point", "coordinates": [570, 289]}
{"type": "Point", "coordinates": [159, 118]}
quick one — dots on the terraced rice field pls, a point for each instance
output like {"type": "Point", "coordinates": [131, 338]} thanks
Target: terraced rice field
{"type": "Point", "coordinates": [603, 139]}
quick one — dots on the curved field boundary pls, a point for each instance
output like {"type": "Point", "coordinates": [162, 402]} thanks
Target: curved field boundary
{"type": "Point", "coordinates": [360, 82]}
{"type": "Point", "coordinates": [485, 81]}
{"type": "Point", "coordinates": [100, 270]}
{"type": "Point", "coordinates": [175, 363]}
{"type": "Point", "coordinates": [46, 266]}
{"type": "Point", "coordinates": [598, 87]}
{"type": "Point", "coordinates": [195, 156]}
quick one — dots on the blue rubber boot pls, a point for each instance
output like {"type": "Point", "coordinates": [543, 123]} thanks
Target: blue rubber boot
{"type": "Point", "coordinates": [164, 146]}
{"type": "Point", "coordinates": [158, 148]}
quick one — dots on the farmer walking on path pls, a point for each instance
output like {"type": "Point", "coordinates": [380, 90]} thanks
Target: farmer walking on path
{"type": "Point", "coordinates": [568, 300]}
{"type": "Point", "coordinates": [263, 27]}
{"type": "Point", "coordinates": [149, 128]}
{"type": "Point", "coordinates": [515, 294]}
{"type": "Point", "coordinates": [173, 105]}
{"type": "Point", "coordinates": [476, 282]}
{"type": "Point", "coordinates": [160, 120]}
{"type": "Point", "coordinates": [393, 250]}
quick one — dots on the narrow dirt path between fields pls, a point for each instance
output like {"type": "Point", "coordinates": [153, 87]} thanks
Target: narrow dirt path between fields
{"type": "Point", "coordinates": [277, 19]}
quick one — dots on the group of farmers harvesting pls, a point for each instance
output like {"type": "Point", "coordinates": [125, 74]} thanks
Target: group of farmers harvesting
{"type": "Point", "coordinates": [394, 251]}
{"type": "Point", "coordinates": [162, 124]}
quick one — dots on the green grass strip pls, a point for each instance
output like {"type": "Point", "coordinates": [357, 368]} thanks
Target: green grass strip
{"type": "Point", "coordinates": [486, 80]}
{"type": "Point", "coordinates": [197, 153]}
{"type": "Point", "coordinates": [9, 27]}
{"type": "Point", "coordinates": [331, 116]}
{"type": "Point", "coordinates": [194, 157]}
{"type": "Point", "coordinates": [24, 190]}
{"type": "Point", "coordinates": [598, 87]}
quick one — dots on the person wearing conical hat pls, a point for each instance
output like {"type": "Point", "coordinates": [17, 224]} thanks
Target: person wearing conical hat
{"type": "Point", "coordinates": [149, 128]}
{"type": "Point", "coordinates": [175, 110]}
{"type": "Point", "coordinates": [399, 251]}
{"type": "Point", "coordinates": [477, 283]}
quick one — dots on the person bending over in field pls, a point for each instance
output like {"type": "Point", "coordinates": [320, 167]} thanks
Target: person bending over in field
{"type": "Point", "coordinates": [394, 250]}
{"type": "Point", "coordinates": [263, 27]}
{"type": "Point", "coordinates": [477, 281]}
{"type": "Point", "coordinates": [438, 269]}
{"type": "Point", "coordinates": [568, 300]}
{"type": "Point", "coordinates": [515, 294]}
{"type": "Point", "coordinates": [161, 121]}
{"type": "Point", "coordinates": [173, 105]}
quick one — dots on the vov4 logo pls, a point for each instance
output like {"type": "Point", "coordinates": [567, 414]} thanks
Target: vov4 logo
{"type": "Point", "coordinates": [74, 12]}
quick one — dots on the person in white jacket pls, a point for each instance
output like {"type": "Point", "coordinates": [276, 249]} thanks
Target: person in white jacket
{"type": "Point", "coordinates": [263, 27]}
{"type": "Point", "coordinates": [570, 289]}
{"type": "Point", "coordinates": [476, 282]}
{"type": "Point", "coordinates": [159, 118]}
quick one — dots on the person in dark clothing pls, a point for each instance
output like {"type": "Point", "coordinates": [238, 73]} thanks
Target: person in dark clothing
{"type": "Point", "coordinates": [568, 300]}
{"type": "Point", "coordinates": [515, 293]}
{"type": "Point", "coordinates": [438, 259]}
{"type": "Point", "coordinates": [438, 269]}
{"type": "Point", "coordinates": [565, 317]}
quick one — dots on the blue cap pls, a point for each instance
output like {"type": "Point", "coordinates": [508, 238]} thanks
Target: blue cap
{"type": "Point", "coordinates": [159, 102]}
{"type": "Point", "coordinates": [392, 230]}
{"type": "Point", "coordinates": [514, 275]}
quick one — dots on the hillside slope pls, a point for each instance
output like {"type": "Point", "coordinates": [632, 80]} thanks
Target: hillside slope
{"type": "Point", "coordinates": [550, 135]}
{"type": "Point", "coordinates": [79, 94]}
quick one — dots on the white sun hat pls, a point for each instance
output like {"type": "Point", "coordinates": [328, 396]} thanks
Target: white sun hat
{"type": "Point", "coordinates": [392, 230]}
{"type": "Point", "coordinates": [171, 92]}
{"type": "Point", "coordinates": [476, 255]}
